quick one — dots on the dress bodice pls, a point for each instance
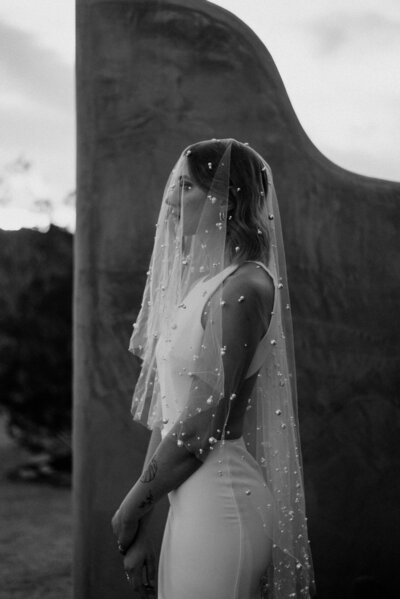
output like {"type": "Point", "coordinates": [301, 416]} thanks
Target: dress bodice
{"type": "Point", "coordinates": [178, 348]}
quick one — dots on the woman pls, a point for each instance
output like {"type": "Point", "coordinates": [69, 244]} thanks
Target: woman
{"type": "Point", "coordinates": [217, 387]}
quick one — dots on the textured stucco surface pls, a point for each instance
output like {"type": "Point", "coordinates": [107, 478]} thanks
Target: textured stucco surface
{"type": "Point", "coordinates": [153, 77]}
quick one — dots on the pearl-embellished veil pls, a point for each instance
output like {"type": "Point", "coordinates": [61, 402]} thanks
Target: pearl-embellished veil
{"type": "Point", "coordinates": [227, 234]}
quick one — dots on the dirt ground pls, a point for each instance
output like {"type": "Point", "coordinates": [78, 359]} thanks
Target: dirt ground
{"type": "Point", "coordinates": [35, 534]}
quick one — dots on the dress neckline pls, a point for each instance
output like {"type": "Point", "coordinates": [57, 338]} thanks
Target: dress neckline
{"type": "Point", "coordinates": [205, 280]}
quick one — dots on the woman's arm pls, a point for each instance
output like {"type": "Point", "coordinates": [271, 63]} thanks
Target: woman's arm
{"type": "Point", "coordinates": [167, 469]}
{"type": "Point", "coordinates": [154, 442]}
{"type": "Point", "coordinates": [123, 538]}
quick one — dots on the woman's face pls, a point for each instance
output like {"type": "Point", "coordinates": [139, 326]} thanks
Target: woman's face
{"type": "Point", "coordinates": [186, 200]}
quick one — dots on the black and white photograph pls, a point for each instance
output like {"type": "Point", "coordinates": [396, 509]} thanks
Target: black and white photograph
{"type": "Point", "coordinates": [200, 289]}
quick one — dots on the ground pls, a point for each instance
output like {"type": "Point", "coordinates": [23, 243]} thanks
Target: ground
{"type": "Point", "coordinates": [35, 534]}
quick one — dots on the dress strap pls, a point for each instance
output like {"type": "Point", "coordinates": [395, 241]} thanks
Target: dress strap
{"type": "Point", "coordinates": [264, 267]}
{"type": "Point", "coordinates": [203, 289]}
{"type": "Point", "coordinates": [211, 285]}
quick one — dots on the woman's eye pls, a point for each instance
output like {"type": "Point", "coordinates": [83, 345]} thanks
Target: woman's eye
{"type": "Point", "coordinates": [186, 186]}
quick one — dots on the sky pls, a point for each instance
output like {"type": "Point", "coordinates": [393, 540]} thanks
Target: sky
{"type": "Point", "coordinates": [338, 60]}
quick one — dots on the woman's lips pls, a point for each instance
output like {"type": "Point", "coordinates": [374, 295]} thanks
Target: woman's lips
{"type": "Point", "coordinates": [171, 211]}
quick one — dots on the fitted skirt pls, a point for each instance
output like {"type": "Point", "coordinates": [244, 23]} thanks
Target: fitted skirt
{"type": "Point", "coordinates": [217, 540]}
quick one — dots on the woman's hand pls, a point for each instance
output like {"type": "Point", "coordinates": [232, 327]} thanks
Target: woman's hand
{"type": "Point", "coordinates": [140, 566]}
{"type": "Point", "coordinates": [125, 530]}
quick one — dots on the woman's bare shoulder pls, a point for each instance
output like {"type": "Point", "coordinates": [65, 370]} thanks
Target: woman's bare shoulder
{"type": "Point", "coordinates": [252, 280]}
{"type": "Point", "coordinates": [248, 296]}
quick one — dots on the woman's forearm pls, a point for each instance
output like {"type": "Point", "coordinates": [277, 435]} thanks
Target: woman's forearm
{"type": "Point", "coordinates": [154, 442]}
{"type": "Point", "coordinates": [168, 468]}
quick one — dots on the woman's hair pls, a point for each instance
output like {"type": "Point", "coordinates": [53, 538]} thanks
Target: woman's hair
{"type": "Point", "coordinates": [247, 215]}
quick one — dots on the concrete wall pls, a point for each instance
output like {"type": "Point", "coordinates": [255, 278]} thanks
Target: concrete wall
{"type": "Point", "coordinates": [151, 78]}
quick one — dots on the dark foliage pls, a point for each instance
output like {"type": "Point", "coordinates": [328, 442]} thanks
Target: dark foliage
{"type": "Point", "coordinates": [36, 336]}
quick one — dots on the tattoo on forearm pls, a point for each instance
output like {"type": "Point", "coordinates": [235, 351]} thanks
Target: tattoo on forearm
{"type": "Point", "coordinates": [150, 473]}
{"type": "Point", "coordinates": [148, 501]}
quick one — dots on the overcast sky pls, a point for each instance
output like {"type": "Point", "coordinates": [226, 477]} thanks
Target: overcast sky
{"type": "Point", "coordinates": [338, 60]}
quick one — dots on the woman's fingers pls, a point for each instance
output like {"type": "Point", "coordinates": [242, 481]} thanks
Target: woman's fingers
{"type": "Point", "coordinates": [140, 566]}
{"type": "Point", "coordinates": [124, 521]}
{"type": "Point", "coordinates": [134, 564]}
{"type": "Point", "coordinates": [137, 586]}
{"type": "Point", "coordinates": [135, 577]}
{"type": "Point", "coordinates": [125, 532]}
{"type": "Point", "coordinates": [125, 539]}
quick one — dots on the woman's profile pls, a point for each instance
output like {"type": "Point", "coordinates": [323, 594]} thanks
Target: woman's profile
{"type": "Point", "coordinates": [217, 387]}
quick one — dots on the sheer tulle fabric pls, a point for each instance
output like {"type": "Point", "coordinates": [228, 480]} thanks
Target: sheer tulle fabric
{"type": "Point", "coordinates": [197, 419]}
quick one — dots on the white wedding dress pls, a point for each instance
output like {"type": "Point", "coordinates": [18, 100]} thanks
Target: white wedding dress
{"type": "Point", "coordinates": [217, 541]}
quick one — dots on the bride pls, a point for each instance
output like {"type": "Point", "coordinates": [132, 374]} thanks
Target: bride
{"type": "Point", "coordinates": [217, 388]}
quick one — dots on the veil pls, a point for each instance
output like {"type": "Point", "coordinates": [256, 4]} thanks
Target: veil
{"type": "Point", "coordinates": [237, 220]}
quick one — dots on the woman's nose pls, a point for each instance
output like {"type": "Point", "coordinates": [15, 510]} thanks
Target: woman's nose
{"type": "Point", "coordinates": [173, 208]}
{"type": "Point", "coordinates": [172, 200]}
